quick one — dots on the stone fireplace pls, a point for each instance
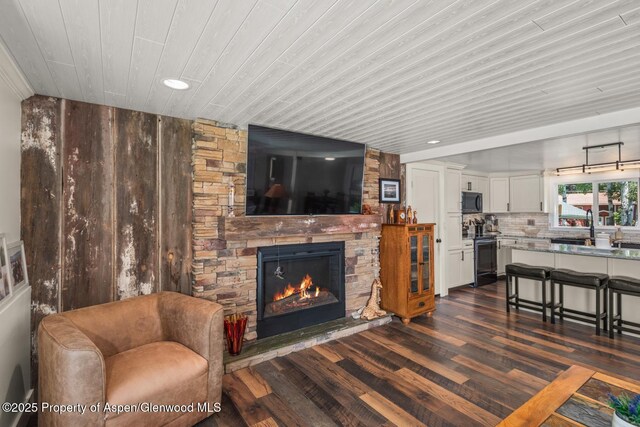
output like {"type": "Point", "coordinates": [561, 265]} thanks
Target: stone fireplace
{"type": "Point", "coordinates": [299, 285]}
{"type": "Point", "coordinates": [225, 249]}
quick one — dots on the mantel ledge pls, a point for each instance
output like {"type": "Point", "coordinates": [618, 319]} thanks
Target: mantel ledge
{"type": "Point", "coordinates": [256, 227]}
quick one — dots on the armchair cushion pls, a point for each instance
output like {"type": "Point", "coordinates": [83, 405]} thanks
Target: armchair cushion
{"type": "Point", "coordinates": [165, 373]}
{"type": "Point", "coordinates": [163, 349]}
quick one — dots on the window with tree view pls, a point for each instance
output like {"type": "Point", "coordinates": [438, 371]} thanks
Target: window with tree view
{"type": "Point", "coordinates": [615, 203]}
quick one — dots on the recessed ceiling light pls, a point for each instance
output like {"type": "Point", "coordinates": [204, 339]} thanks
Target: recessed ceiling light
{"type": "Point", "coordinates": [176, 84]}
{"type": "Point", "coordinates": [330, 158]}
{"type": "Point", "coordinates": [433, 141]}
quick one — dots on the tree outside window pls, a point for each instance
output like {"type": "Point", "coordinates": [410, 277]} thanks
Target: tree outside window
{"type": "Point", "coordinates": [620, 204]}
{"type": "Point", "coordinates": [615, 203]}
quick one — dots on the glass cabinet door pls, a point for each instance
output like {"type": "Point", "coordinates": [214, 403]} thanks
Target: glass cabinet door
{"type": "Point", "coordinates": [414, 267]}
{"type": "Point", "coordinates": [424, 263]}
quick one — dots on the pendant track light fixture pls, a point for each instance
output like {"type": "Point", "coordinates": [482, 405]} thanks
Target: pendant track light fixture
{"type": "Point", "coordinates": [600, 167]}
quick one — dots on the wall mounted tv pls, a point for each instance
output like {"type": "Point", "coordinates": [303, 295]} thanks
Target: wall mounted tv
{"type": "Point", "coordinates": [291, 173]}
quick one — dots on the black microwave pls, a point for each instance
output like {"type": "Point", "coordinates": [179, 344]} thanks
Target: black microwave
{"type": "Point", "coordinates": [471, 202]}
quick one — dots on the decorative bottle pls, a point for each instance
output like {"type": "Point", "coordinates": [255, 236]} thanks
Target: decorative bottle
{"type": "Point", "coordinates": [232, 193]}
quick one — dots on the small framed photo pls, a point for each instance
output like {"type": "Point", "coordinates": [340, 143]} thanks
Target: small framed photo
{"type": "Point", "coordinates": [389, 190]}
{"type": "Point", "coordinates": [17, 264]}
{"type": "Point", "coordinates": [5, 271]}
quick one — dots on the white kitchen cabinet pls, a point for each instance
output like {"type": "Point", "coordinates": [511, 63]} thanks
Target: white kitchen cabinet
{"type": "Point", "coordinates": [516, 194]}
{"type": "Point", "coordinates": [453, 231]}
{"type": "Point", "coordinates": [478, 184]}
{"type": "Point", "coordinates": [504, 253]}
{"type": "Point", "coordinates": [483, 187]}
{"type": "Point", "coordinates": [454, 268]}
{"type": "Point", "coordinates": [525, 194]}
{"type": "Point", "coordinates": [469, 183]}
{"type": "Point", "coordinates": [468, 266]}
{"type": "Point", "coordinates": [453, 196]}
{"type": "Point", "coordinates": [499, 194]}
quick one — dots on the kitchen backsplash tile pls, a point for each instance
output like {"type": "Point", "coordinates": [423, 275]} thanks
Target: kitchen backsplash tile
{"type": "Point", "coordinates": [515, 224]}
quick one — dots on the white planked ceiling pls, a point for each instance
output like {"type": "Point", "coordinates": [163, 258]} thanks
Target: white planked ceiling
{"type": "Point", "coordinates": [390, 73]}
{"type": "Point", "coordinates": [552, 153]}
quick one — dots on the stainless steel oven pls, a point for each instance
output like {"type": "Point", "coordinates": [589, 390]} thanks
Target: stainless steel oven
{"type": "Point", "coordinates": [486, 260]}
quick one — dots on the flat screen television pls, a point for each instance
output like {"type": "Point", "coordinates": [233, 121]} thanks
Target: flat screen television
{"type": "Point", "coordinates": [291, 173]}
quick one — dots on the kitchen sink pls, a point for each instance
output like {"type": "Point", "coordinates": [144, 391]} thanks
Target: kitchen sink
{"type": "Point", "coordinates": [627, 245]}
{"type": "Point", "coordinates": [569, 241]}
{"type": "Point", "coordinates": [580, 242]}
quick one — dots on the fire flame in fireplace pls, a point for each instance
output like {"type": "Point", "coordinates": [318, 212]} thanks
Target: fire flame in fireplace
{"type": "Point", "coordinates": [304, 289]}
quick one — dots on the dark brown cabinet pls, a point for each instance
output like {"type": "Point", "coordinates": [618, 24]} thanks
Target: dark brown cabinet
{"type": "Point", "coordinates": [406, 269]}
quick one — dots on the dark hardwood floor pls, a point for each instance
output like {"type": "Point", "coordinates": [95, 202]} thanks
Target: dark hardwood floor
{"type": "Point", "coordinates": [470, 364]}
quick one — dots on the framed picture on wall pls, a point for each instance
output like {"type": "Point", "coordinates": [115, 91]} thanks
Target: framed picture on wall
{"type": "Point", "coordinates": [389, 190]}
{"type": "Point", "coordinates": [5, 271]}
{"type": "Point", "coordinates": [17, 264]}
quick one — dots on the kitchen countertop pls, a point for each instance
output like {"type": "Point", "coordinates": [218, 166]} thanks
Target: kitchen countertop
{"type": "Point", "coordinates": [633, 254]}
{"type": "Point", "coordinates": [505, 236]}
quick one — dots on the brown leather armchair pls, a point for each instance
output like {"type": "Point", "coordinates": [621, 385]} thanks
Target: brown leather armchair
{"type": "Point", "coordinates": [159, 349]}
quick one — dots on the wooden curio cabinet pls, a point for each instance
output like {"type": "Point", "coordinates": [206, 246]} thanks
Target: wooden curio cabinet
{"type": "Point", "coordinates": [406, 269]}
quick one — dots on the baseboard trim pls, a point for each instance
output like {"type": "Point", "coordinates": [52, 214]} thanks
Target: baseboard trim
{"type": "Point", "coordinates": [455, 288]}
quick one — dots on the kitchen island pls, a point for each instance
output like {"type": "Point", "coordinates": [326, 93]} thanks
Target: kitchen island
{"type": "Point", "coordinates": [585, 259]}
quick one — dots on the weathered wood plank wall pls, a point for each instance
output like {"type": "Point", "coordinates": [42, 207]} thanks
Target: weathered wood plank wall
{"type": "Point", "coordinates": [106, 198]}
{"type": "Point", "coordinates": [87, 180]}
{"type": "Point", "coordinates": [41, 195]}
{"type": "Point", "coordinates": [137, 203]}
{"type": "Point", "coordinates": [176, 210]}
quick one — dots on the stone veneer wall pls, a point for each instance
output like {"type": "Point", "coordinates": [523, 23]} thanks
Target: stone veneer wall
{"type": "Point", "coordinates": [224, 249]}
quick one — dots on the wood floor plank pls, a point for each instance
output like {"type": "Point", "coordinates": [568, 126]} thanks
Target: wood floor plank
{"type": "Point", "coordinates": [426, 408]}
{"type": "Point", "coordinates": [626, 384]}
{"type": "Point", "coordinates": [557, 420]}
{"type": "Point", "coordinates": [249, 408]}
{"type": "Point", "coordinates": [543, 404]}
{"type": "Point", "coordinates": [497, 375]}
{"type": "Point", "coordinates": [527, 337]}
{"type": "Point", "coordinates": [419, 358]}
{"type": "Point", "coordinates": [461, 405]}
{"type": "Point", "coordinates": [436, 334]}
{"type": "Point", "coordinates": [283, 413]}
{"type": "Point", "coordinates": [373, 353]}
{"type": "Point", "coordinates": [327, 352]}
{"type": "Point", "coordinates": [389, 410]}
{"type": "Point", "coordinates": [471, 353]}
{"type": "Point", "coordinates": [595, 362]}
{"type": "Point", "coordinates": [483, 345]}
{"type": "Point", "coordinates": [523, 377]}
{"type": "Point", "coordinates": [382, 370]}
{"type": "Point", "coordinates": [587, 411]}
{"type": "Point", "coordinates": [609, 348]}
{"type": "Point", "coordinates": [254, 382]}
{"type": "Point", "coordinates": [315, 363]}
{"type": "Point", "coordinates": [293, 396]}
{"type": "Point", "coordinates": [344, 409]}
{"type": "Point", "coordinates": [269, 422]}
{"type": "Point", "coordinates": [227, 417]}
{"type": "Point", "coordinates": [598, 391]}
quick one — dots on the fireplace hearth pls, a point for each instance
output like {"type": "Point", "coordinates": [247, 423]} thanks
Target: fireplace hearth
{"type": "Point", "coordinates": [298, 286]}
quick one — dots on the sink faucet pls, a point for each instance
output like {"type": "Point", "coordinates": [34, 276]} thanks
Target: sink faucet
{"type": "Point", "coordinates": [592, 230]}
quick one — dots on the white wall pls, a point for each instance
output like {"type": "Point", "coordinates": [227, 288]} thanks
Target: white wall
{"type": "Point", "coordinates": [9, 162]}
{"type": "Point", "coordinates": [15, 364]}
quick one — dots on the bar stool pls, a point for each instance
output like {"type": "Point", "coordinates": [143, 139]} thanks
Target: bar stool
{"type": "Point", "coordinates": [594, 281]}
{"type": "Point", "coordinates": [622, 285]}
{"type": "Point", "coordinates": [524, 271]}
